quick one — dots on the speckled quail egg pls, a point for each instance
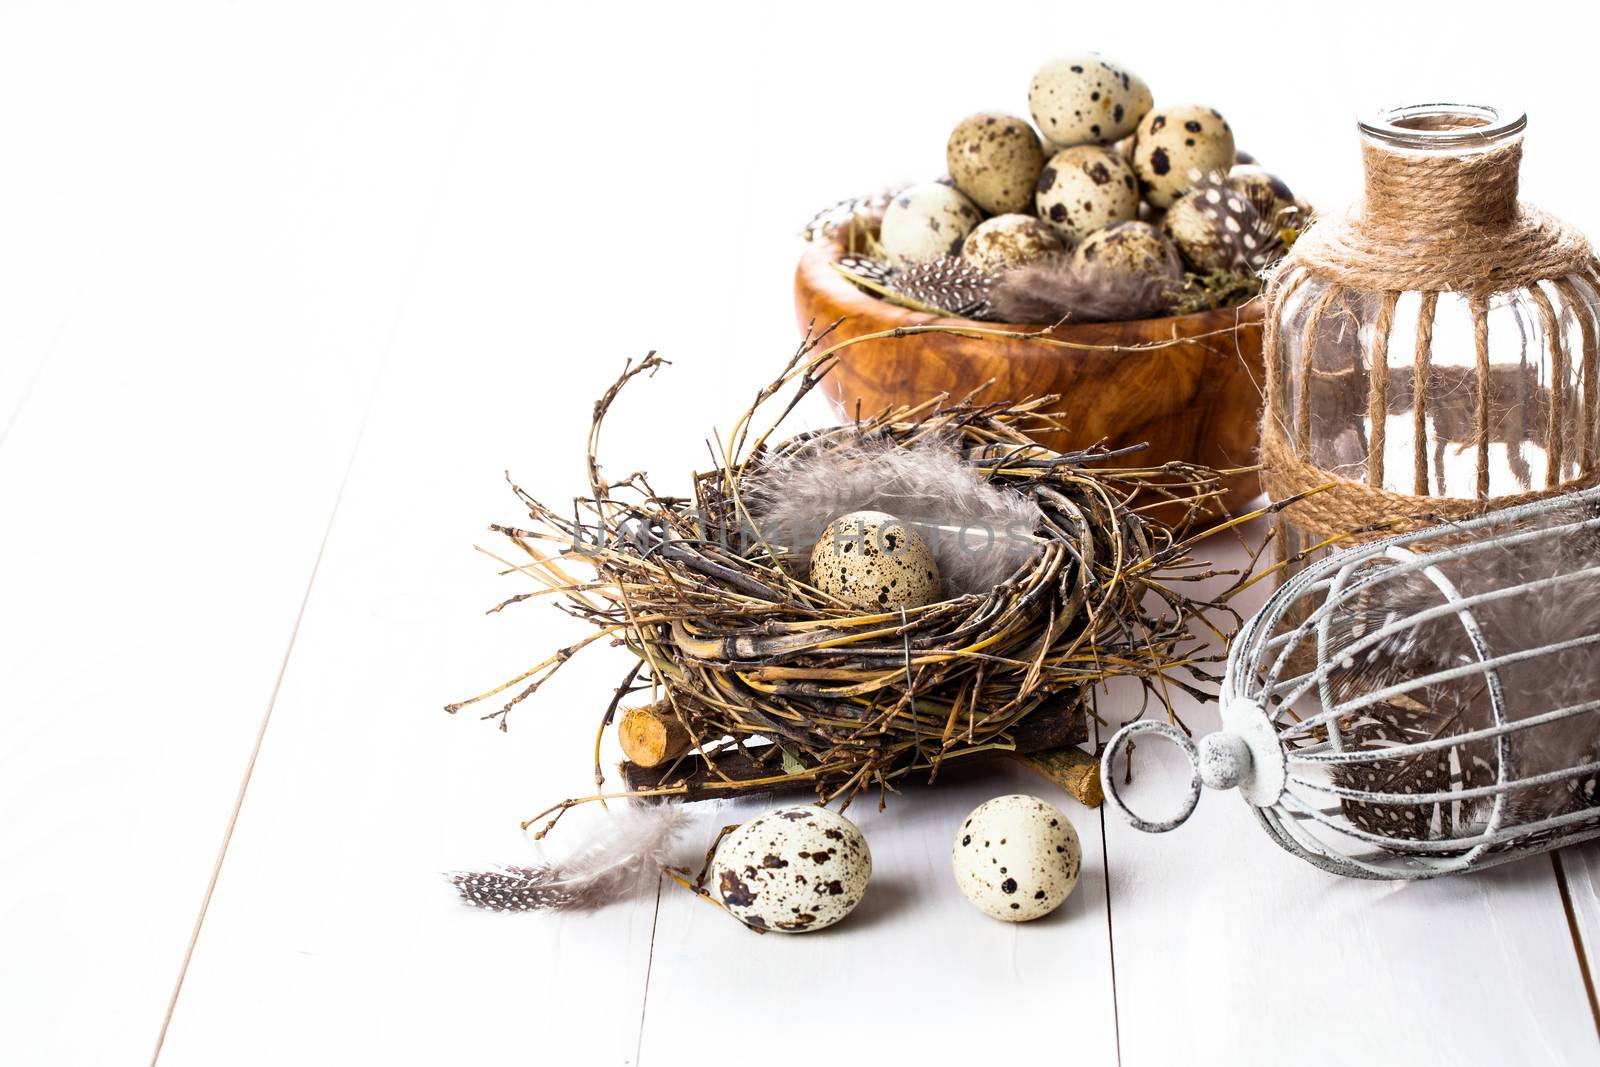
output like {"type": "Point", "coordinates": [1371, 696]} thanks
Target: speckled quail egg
{"type": "Point", "coordinates": [995, 159]}
{"type": "Point", "coordinates": [792, 869]}
{"type": "Point", "coordinates": [1130, 250]}
{"type": "Point", "coordinates": [1177, 146]}
{"type": "Point", "coordinates": [1086, 188]}
{"type": "Point", "coordinates": [926, 221]}
{"type": "Point", "coordinates": [1085, 98]}
{"type": "Point", "coordinates": [873, 561]}
{"type": "Point", "coordinates": [1016, 858]}
{"type": "Point", "coordinates": [1008, 241]}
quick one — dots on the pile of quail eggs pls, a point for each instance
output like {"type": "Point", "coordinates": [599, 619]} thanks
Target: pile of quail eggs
{"type": "Point", "coordinates": [798, 869]}
{"type": "Point", "coordinates": [1100, 175]}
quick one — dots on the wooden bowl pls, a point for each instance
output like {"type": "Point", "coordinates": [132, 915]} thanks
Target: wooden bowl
{"type": "Point", "coordinates": [1196, 400]}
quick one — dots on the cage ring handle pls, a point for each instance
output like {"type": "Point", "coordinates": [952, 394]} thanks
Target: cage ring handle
{"type": "Point", "coordinates": [1108, 783]}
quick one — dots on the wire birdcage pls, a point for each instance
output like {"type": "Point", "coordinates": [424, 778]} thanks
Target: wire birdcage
{"type": "Point", "coordinates": [1421, 705]}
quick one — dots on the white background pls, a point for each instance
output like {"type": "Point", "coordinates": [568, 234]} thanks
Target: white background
{"type": "Point", "coordinates": [285, 286]}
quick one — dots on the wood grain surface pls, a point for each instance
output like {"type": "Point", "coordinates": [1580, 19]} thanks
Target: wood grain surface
{"type": "Point", "coordinates": [1196, 397]}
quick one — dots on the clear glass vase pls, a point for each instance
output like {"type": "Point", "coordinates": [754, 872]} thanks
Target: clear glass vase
{"type": "Point", "coordinates": [1416, 349]}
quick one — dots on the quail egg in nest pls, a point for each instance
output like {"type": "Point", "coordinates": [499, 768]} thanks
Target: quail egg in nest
{"type": "Point", "coordinates": [875, 562]}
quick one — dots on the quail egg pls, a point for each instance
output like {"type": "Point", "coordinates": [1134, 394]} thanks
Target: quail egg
{"type": "Point", "coordinates": [1176, 147]}
{"type": "Point", "coordinates": [1008, 241]}
{"type": "Point", "coordinates": [792, 870]}
{"type": "Point", "coordinates": [1086, 188]}
{"type": "Point", "coordinates": [1085, 98]}
{"type": "Point", "coordinates": [926, 221]}
{"type": "Point", "coordinates": [995, 159]}
{"type": "Point", "coordinates": [874, 562]}
{"type": "Point", "coordinates": [1016, 858]}
{"type": "Point", "coordinates": [1130, 249]}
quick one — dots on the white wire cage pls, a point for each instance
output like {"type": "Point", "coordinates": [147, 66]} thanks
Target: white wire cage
{"type": "Point", "coordinates": [1421, 705]}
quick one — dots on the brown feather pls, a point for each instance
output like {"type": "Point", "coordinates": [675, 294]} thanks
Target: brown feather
{"type": "Point", "coordinates": [1053, 290]}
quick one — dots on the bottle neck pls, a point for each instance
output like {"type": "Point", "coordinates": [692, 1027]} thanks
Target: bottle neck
{"type": "Point", "coordinates": [1435, 169]}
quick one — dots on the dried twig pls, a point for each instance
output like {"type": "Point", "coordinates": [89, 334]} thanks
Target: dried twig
{"type": "Point", "coordinates": [778, 685]}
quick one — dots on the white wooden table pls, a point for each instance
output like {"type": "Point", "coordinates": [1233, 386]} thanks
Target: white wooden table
{"type": "Point", "coordinates": [285, 286]}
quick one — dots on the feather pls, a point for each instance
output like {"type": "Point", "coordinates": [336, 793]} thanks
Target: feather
{"type": "Point", "coordinates": [948, 283]}
{"type": "Point", "coordinates": [866, 269]}
{"type": "Point", "coordinates": [943, 286]}
{"type": "Point", "coordinates": [980, 533]}
{"type": "Point", "coordinates": [1053, 290]}
{"type": "Point", "coordinates": [623, 859]}
{"type": "Point", "coordinates": [1244, 223]}
{"type": "Point", "coordinates": [1544, 683]}
{"type": "Point", "coordinates": [857, 213]}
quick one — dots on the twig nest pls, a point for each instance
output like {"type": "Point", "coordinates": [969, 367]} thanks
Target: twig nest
{"type": "Point", "coordinates": [1177, 146]}
{"type": "Point", "coordinates": [926, 221]}
{"type": "Point", "coordinates": [1085, 98]}
{"type": "Point", "coordinates": [1016, 858]}
{"type": "Point", "coordinates": [1084, 189]}
{"type": "Point", "coordinates": [995, 159]}
{"type": "Point", "coordinates": [1128, 253]}
{"type": "Point", "coordinates": [1008, 241]}
{"type": "Point", "coordinates": [875, 562]}
{"type": "Point", "coordinates": [793, 870]}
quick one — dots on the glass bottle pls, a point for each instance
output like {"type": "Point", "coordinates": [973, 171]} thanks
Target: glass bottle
{"type": "Point", "coordinates": [1438, 342]}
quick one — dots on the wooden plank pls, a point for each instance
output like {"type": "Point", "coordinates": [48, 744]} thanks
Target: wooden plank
{"type": "Point", "coordinates": [332, 936]}
{"type": "Point", "coordinates": [1229, 950]}
{"type": "Point", "coordinates": [170, 478]}
{"type": "Point", "coordinates": [84, 107]}
{"type": "Point", "coordinates": [1579, 869]}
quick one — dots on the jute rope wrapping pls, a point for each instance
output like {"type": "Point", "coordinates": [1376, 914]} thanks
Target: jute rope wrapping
{"type": "Point", "coordinates": [1430, 223]}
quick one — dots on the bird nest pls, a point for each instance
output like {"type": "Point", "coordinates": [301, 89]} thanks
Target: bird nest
{"type": "Point", "coordinates": [770, 682]}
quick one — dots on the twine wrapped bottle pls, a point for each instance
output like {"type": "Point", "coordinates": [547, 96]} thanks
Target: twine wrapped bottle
{"type": "Point", "coordinates": [1434, 350]}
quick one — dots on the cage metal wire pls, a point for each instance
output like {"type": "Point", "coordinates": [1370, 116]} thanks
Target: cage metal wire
{"type": "Point", "coordinates": [1420, 705]}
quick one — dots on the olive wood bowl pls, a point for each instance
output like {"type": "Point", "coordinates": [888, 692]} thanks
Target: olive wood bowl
{"type": "Point", "coordinates": [1196, 398]}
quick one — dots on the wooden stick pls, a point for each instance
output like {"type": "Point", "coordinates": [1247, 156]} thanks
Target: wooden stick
{"type": "Point", "coordinates": [652, 735]}
{"type": "Point", "coordinates": [752, 769]}
{"type": "Point", "coordinates": [1072, 769]}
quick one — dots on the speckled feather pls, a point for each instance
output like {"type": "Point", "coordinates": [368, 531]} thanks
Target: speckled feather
{"type": "Point", "coordinates": [947, 283]}
{"type": "Point", "coordinates": [624, 859]}
{"type": "Point", "coordinates": [1248, 239]}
